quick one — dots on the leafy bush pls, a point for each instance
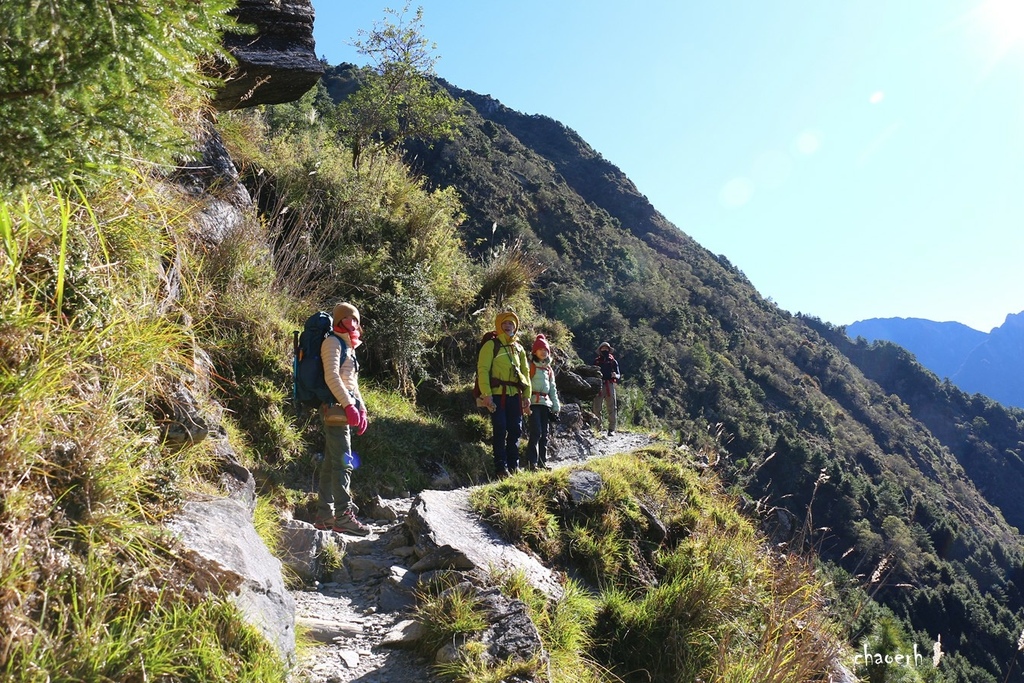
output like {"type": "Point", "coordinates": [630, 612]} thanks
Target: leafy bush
{"type": "Point", "coordinates": [380, 240]}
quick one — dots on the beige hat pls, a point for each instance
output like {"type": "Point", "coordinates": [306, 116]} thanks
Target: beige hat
{"type": "Point", "coordinates": [345, 310]}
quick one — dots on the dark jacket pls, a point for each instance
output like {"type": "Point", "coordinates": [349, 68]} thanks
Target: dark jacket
{"type": "Point", "coordinates": [609, 367]}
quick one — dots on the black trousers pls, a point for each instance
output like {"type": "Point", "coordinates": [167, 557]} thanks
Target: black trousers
{"type": "Point", "coordinates": [537, 447]}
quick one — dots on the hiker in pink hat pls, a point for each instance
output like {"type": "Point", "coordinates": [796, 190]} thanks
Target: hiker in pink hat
{"type": "Point", "coordinates": [544, 405]}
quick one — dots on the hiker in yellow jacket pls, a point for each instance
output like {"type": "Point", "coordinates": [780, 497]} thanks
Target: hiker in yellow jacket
{"type": "Point", "coordinates": [503, 372]}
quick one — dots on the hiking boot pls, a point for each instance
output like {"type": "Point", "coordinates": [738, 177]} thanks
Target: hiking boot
{"type": "Point", "coordinates": [611, 432]}
{"type": "Point", "coordinates": [346, 523]}
{"type": "Point", "coordinates": [324, 524]}
{"type": "Point", "coordinates": [327, 523]}
{"type": "Point", "coordinates": [500, 473]}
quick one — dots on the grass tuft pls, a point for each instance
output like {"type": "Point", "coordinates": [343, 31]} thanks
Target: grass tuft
{"type": "Point", "coordinates": [707, 602]}
{"type": "Point", "coordinates": [451, 613]}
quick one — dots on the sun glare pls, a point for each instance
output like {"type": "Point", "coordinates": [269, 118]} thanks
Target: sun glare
{"type": "Point", "coordinates": [1003, 20]}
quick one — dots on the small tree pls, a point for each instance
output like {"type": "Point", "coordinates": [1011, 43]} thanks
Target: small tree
{"type": "Point", "coordinates": [887, 640]}
{"type": "Point", "coordinates": [396, 99]}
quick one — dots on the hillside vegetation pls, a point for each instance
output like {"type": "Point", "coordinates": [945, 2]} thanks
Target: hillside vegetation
{"type": "Point", "coordinates": [804, 429]}
{"type": "Point", "coordinates": [112, 298]}
{"type": "Point", "coordinates": [116, 304]}
{"type": "Point", "coordinates": [684, 588]}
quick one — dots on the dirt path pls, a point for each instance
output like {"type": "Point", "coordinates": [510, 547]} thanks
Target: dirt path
{"type": "Point", "coordinates": [351, 619]}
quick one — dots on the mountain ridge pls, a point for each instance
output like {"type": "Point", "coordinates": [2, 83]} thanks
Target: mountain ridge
{"type": "Point", "coordinates": [802, 427]}
{"type": "Point", "coordinates": [976, 362]}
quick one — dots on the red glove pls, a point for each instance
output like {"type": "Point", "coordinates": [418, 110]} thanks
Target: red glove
{"type": "Point", "coordinates": [352, 415]}
{"type": "Point", "coordinates": [364, 421]}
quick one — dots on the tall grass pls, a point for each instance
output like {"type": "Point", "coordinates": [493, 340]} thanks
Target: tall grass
{"type": "Point", "coordinates": [378, 238]}
{"type": "Point", "coordinates": [564, 625]}
{"type": "Point", "coordinates": [87, 590]}
{"type": "Point", "coordinates": [406, 446]}
{"type": "Point", "coordinates": [451, 613]}
{"type": "Point", "coordinates": [104, 626]}
{"type": "Point", "coordinates": [508, 276]}
{"type": "Point", "coordinates": [711, 602]}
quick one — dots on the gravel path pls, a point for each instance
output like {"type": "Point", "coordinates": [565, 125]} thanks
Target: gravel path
{"type": "Point", "coordinates": [348, 619]}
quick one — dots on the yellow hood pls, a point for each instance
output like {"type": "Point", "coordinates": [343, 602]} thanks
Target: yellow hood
{"type": "Point", "coordinates": [501, 318]}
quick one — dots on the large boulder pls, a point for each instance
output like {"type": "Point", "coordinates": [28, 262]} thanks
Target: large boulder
{"type": "Point", "coordinates": [304, 550]}
{"type": "Point", "coordinates": [449, 535]}
{"type": "Point", "coordinates": [230, 558]}
{"type": "Point", "coordinates": [574, 386]}
{"type": "Point", "coordinates": [277, 63]}
{"type": "Point", "coordinates": [511, 634]}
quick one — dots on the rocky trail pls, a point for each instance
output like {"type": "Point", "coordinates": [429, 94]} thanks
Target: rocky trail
{"type": "Point", "coordinates": [360, 620]}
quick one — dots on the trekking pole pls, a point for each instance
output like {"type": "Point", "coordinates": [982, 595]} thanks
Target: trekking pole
{"type": "Point", "coordinates": [295, 370]}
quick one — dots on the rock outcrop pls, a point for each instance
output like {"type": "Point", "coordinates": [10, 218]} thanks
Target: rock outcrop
{"type": "Point", "coordinates": [220, 540]}
{"type": "Point", "coordinates": [278, 62]}
{"type": "Point", "coordinates": [447, 530]}
{"type": "Point", "coordinates": [581, 383]}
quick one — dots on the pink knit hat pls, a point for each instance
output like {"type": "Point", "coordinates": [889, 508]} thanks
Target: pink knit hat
{"type": "Point", "coordinates": [541, 342]}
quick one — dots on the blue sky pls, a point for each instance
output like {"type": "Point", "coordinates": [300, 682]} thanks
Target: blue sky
{"type": "Point", "coordinates": [855, 158]}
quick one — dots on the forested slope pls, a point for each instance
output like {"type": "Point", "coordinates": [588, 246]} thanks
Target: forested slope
{"type": "Point", "coordinates": [801, 427]}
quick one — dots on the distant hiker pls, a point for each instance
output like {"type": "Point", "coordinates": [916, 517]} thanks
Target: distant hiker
{"type": "Point", "coordinates": [609, 378]}
{"type": "Point", "coordinates": [503, 379]}
{"type": "Point", "coordinates": [335, 509]}
{"type": "Point", "coordinates": [544, 405]}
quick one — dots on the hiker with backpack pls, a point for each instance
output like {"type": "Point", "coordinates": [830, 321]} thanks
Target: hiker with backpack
{"type": "Point", "coordinates": [609, 378]}
{"type": "Point", "coordinates": [503, 373]}
{"type": "Point", "coordinates": [327, 376]}
{"type": "Point", "coordinates": [544, 404]}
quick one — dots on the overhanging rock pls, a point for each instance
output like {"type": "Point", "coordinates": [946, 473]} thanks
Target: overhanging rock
{"type": "Point", "coordinates": [278, 62]}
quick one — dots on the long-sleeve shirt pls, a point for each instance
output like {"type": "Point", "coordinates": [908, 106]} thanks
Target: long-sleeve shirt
{"type": "Point", "coordinates": [504, 361]}
{"type": "Point", "coordinates": [609, 367]}
{"type": "Point", "coordinates": [341, 374]}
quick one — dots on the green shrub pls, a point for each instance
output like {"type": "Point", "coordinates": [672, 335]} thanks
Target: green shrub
{"type": "Point", "coordinates": [86, 82]}
{"type": "Point", "coordinates": [378, 239]}
{"type": "Point", "coordinates": [477, 427]}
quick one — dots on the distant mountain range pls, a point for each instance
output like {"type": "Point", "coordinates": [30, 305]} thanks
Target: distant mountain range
{"type": "Point", "coordinates": [990, 363]}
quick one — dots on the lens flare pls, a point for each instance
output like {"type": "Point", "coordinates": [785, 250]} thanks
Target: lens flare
{"type": "Point", "coordinates": [1004, 20]}
{"type": "Point", "coordinates": [352, 458]}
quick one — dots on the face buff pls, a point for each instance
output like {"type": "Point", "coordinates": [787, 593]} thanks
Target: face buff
{"type": "Point", "coordinates": [352, 331]}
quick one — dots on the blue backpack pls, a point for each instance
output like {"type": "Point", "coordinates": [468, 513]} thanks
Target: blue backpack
{"type": "Point", "coordinates": [308, 386]}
